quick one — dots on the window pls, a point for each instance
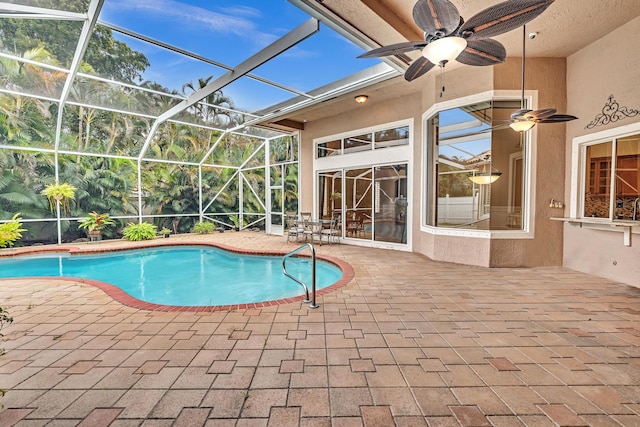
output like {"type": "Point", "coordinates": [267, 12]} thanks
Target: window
{"type": "Point", "coordinates": [612, 167]}
{"type": "Point", "coordinates": [391, 137]}
{"type": "Point", "coordinates": [477, 176]}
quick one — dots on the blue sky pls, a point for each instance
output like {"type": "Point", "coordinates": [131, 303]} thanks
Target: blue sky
{"type": "Point", "coordinates": [229, 32]}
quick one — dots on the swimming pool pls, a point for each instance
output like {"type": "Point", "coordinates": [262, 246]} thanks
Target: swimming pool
{"type": "Point", "coordinates": [182, 275]}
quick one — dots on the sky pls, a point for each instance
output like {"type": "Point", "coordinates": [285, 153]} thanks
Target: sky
{"type": "Point", "coordinates": [230, 31]}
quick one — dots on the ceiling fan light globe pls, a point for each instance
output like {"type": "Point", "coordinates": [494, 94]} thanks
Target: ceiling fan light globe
{"type": "Point", "coordinates": [522, 125]}
{"type": "Point", "coordinates": [444, 50]}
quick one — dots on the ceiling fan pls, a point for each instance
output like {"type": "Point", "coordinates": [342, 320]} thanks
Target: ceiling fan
{"type": "Point", "coordinates": [447, 36]}
{"type": "Point", "coordinates": [524, 119]}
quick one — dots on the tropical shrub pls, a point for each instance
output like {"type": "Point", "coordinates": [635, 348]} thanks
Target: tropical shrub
{"type": "Point", "coordinates": [203, 227]}
{"type": "Point", "coordinates": [11, 232]}
{"type": "Point", "coordinates": [95, 221]}
{"type": "Point", "coordinates": [141, 231]}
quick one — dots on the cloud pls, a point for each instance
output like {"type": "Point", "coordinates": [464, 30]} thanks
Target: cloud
{"type": "Point", "coordinates": [233, 20]}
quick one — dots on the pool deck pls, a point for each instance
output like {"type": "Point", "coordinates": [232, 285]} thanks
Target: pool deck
{"type": "Point", "coordinates": [407, 342]}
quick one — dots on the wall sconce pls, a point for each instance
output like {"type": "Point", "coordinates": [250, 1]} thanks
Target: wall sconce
{"type": "Point", "coordinates": [361, 99]}
{"type": "Point", "coordinates": [485, 176]}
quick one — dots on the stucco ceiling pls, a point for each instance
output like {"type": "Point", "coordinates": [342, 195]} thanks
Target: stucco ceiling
{"type": "Point", "coordinates": [563, 29]}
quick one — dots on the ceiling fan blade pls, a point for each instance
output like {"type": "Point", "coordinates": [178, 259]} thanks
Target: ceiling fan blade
{"type": "Point", "coordinates": [502, 17]}
{"type": "Point", "coordinates": [434, 16]}
{"type": "Point", "coordinates": [483, 52]}
{"type": "Point", "coordinates": [520, 114]}
{"type": "Point", "coordinates": [393, 49]}
{"type": "Point", "coordinates": [556, 118]}
{"type": "Point", "coordinates": [419, 67]}
{"type": "Point", "coordinates": [541, 114]}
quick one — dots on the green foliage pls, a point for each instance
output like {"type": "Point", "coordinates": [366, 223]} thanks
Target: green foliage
{"type": "Point", "coordinates": [95, 221]}
{"type": "Point", "coordinates": [164, 231]}
{"type": "Point", "coordinates": [59, 193]}
{"type": "Point", "coordinates": [141, 231]}
{"type": "Point", "coordinates": [203, 228]}
{"type": "Point", "coordinates": [10, 232]}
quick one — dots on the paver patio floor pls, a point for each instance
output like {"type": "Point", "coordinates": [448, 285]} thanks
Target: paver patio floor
{"type": "Point", "coordinates": [408, 342]}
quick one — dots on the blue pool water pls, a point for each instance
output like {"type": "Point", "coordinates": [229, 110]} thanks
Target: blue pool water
{"type": "Point", "coordinates": [188, 276]}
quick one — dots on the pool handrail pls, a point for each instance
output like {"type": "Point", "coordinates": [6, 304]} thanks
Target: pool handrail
{"type": "Point", "coordinates": [312, 300]}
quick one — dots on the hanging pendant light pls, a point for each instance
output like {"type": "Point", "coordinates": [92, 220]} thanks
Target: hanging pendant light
{"type": "Point", "coordinates": [486, 175]}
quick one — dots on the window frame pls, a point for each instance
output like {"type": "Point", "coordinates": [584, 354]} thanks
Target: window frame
{"type": "Point", "coordinates": [578, 169]}
{"type": "Point", "coordinates": [427, 171]}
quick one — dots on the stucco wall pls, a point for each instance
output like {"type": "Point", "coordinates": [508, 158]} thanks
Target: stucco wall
{"type": "Point", "coordinates": [609, 66]}
{"type": "Point", "coordinates": [548, 76]}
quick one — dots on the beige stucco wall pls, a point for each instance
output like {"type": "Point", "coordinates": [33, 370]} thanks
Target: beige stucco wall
{"type": "Point", "coordinates": [609, 66]}
{"type": "Point", "coordinates": [548, 76]}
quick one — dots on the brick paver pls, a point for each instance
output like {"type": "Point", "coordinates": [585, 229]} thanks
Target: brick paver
{"type": "Point", "coordinates": [408, 342]}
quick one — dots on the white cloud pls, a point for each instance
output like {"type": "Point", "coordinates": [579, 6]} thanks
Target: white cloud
{"type": "Point", "coordinates": [230, 21]}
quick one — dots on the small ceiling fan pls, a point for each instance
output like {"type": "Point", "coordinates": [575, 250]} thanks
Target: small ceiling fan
{"type": "Point", "coordinates": [524, 119]}
{"type": "Point", "coordinates": [447, 36]}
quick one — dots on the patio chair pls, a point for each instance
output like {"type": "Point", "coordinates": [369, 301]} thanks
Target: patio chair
{"type": "Point", "coordinates": [294, 227]}
{"type": "Point", "coordinates": [356, 226]}
{"type": "Point", "coordinates": [333, 232]}
{"type": "Point", "coordinates": [312, 230]}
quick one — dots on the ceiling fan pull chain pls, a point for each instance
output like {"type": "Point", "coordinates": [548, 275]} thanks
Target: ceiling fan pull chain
{"type": "Point", "coordinates": [442, 80]}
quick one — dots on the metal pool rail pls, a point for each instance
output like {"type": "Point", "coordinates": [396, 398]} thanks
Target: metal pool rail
{"type": "Point", "coordinates": [312, 300]}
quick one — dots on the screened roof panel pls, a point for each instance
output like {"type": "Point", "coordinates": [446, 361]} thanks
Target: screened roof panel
{"type": "Point", "coordinates": [144, 57]}
{"type": "Point", "coordinates": [58, 37]}
{"type": "Point", "coordinates": [66, 5]}
{"type": "Point", "coordinates": [317, 61]}
{"type": "Point", "coordinates": [226, 31]}
{"type": "Point", "coordinates": [30, 79]}
{"type": "Point", "coordinates": [205, 114]}
{"type": "Point", "coordinates": [166, 68]}
{"type": "Point", "coordinates": [102, 94]}
{"type": "Point", "coordinates": [252, 95]}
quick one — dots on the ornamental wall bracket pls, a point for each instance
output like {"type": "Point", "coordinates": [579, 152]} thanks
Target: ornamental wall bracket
{"type": "Point", "coordinates": [611, 113]}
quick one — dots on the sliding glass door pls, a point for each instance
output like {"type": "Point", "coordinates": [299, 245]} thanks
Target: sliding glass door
{"type": "Point", "coordinates": [372, 202]}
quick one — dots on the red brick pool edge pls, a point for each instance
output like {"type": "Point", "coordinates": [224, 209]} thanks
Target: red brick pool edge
{"type": "Point", "coordinates": [123, 298]}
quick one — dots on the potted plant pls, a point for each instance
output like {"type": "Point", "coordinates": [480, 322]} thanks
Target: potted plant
{"type": "Point", "coordinates": [141, 231]}
{"type": "Point", "coordinates": [61, 193]}
{"type": "Point", "coordinates": [11, 231]}
{"type": "Point", "coordinates": [203, 228]}
{"type": "Point", "coordinates": [164, 232]}
{"type": "Point", "coordinates": [235, 219]}
{"type": "Point", "coordinates": [94, 223]}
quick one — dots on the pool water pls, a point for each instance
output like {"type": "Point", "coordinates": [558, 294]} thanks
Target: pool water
{"type": "Point", "coordinates": [186, 276]}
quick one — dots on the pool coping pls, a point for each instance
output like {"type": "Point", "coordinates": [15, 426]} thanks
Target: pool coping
{"type": "Point", "coordinates": [348, 273]}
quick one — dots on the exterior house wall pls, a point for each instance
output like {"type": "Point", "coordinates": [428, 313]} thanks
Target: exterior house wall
{"type": "Point", "coordinates": [609, 66]}
{"type": "Point", "coordinates": [548, 76]}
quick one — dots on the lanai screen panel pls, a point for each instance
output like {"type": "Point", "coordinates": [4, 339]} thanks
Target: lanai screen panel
{"type": "Point", "coordinates": [27, 121]}
{"type": "Point", "coordinates": [46, 41]}
{"type": "Point", "coordinates": [93, 130]}
{"type": "Point", "coordinates": [23, 175]}
{"type": "Point", "coordinates": [181, 142]}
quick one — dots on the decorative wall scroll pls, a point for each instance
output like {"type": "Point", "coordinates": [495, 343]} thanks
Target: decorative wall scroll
{"type": "Point", "coordinates": [611, 113]}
